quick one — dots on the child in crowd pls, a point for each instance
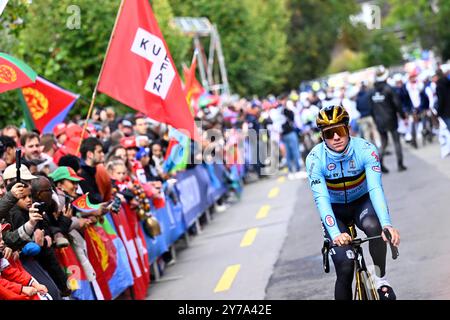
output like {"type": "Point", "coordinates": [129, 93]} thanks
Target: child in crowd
{"type": "Point", "coordinates": [16, 284]}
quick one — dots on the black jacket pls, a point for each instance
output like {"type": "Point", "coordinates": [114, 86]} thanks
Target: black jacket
{"type": "Point", "coordinates": [46, 257]}
{"type": "Point", "coordinates": [89, 183]}
{"type": "Point", "coordinates": [443, 94]}
{"type": "Point", "coordinates": [17, 218]}
{"type": "Point", "coordinates": [6, 204]}
{"type": "Point", "coordinates": [362, 103]}
{"type": "Point", "coordinates": [289, 125]}
{"type": "Point", "coordinates": [385, 105]}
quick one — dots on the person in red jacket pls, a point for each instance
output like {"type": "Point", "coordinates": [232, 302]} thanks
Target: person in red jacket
{"type": "Point", "coordinates": [16, 284]}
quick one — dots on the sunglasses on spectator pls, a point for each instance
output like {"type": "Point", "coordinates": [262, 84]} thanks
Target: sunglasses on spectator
{"type": "Point", "coordinates": [329, 133]}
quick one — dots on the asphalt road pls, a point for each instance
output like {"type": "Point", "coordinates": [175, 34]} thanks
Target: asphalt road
{"type": "Point", "coordinates": [267, 246]}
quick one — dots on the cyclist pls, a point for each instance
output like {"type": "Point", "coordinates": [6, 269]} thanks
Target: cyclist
{"type": "Point", "coordinates": [345, 177]}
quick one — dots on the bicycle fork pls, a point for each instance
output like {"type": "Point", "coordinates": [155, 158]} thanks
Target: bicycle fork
{"type": "Point", "coordinates": [360, 281]}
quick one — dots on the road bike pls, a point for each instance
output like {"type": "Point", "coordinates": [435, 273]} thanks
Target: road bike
{"type": "Point", "coordinates": [364, 285]}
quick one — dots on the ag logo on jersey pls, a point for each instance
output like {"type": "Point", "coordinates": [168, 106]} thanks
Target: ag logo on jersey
{"type": "Point", "coordinates": [329, 220]}
{"type": "Point", "coordinates": [331, 166]}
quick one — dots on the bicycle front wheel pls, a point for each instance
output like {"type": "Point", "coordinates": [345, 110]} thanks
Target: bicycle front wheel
{"type": "Point", "coordinates": [367, 286]}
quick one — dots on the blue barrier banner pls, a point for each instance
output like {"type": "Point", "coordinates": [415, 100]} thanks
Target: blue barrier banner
{"type": "Point", "coordinates": [199, 188]}
{"type": "Point", "coordinates": [206, 186]}
{"type": "Point", "coordinates": [166, 222]}
{"type": "Point", "coordinates": [219, 170]}
{"type": "Point", "coordinates": [175, 214]}
{"type": "Point", "coordinates": [189, 191]}
{"type": "Point", "coordinates": [157, 246]}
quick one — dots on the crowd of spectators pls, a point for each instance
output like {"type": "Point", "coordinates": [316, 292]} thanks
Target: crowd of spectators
{"type": "Point", "coordinates": [119, 156]}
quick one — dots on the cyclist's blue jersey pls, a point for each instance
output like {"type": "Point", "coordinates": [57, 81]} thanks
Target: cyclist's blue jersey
{"type": "Point", "coordinates": [344, 177]}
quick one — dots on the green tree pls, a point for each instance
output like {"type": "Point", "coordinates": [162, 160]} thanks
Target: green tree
{"type": "Point", "coordinates": [64, 51]}
{"type": "Point", "coordinates": [12, 21]}
{"type": "Point", "coordinates": [312, 33]}
{"type": "Point", "coordinates": [271, 19]}
{"type": "Point", "coordinates": [179, 45]}
{"type": "Point", "coordinates": [70, 54]}
{"type": "Point", "coordinates": [347, 60]}
{"type": "Point", "coordinates": [353, 36]}
{"type": "Point", "coordinates": [382, 48]}
{"type": "Point", "coordinates": [423, 20]}
{"type": "Point", "coordinates": [253, 40]}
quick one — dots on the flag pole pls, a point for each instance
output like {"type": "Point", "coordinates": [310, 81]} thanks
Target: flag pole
{"type": "Point", "coordinates": [94, 94]}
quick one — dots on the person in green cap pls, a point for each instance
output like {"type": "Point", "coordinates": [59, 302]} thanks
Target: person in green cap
{"type": "Point", "coordinates": [66, 180]}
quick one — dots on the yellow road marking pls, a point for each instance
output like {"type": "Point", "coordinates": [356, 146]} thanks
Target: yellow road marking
{"type": "Point", "coordinates": [249, 237]}
{"type": "Point", "coordinates": [274, 192]}
{"type": "Point", "coordinates": [227, 278]}
{"type": "Point", "coordinates": [281, 179]}
{"type": "Point", "coordinates": [263, 212]}
{"type": "Point", "coordinates": [285, 170]}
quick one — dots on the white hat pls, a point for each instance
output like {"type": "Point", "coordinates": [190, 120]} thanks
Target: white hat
{"type": "Point", "coordinates": [381, 74]}
{"type": "Point", "coordinates": [445, 67]}
{"type": "Point", "coordinates": [11, 173]}
{"type": "Point", "coordinates": [398, 77]}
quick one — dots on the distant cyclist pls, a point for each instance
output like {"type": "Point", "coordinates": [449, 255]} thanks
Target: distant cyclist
{"type": "Point", "coordinates": [345, 178]}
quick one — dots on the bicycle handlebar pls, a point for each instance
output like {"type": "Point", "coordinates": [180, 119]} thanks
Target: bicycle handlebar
{"type": "Point", "coordinates": [325, 260]}
{"type": "Point", "coordinates": [327, 245]}
{"type": "Point", "coordinates": [355, 242]}
{"type": "Point", "coordinates": [394, 249]}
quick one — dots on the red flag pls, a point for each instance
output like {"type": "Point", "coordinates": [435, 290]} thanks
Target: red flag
{"type": "Point", "coordinates": [124, 227]}
{"type": "Point", "coordinates": [139, 70]}
{"type": "Point", "coordinates": [102, 255]}
{"type": "Point", "coordinates": [139, 239]}
{"type": "Point", "coordinates": [47, 103]}
{"type": "Point", "coordinates": [189, 74]}
{"type": "Point", "coordinates": [193, 89]}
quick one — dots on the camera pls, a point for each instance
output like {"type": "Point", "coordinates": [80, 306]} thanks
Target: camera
{"type": "Point", "coordinates": [67, 200]}
{"type": "Point", "coordinates": [41, 207]}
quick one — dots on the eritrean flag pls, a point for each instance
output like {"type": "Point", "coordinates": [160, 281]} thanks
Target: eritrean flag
{"type": "Point", "coordinates": [122, 277]}
{"type": "Point", "coordinates": [46, 105]}
{"type": "Point", "coordinates": [83, 204]}
{"type": "Point", "coordinates": [77, 280]}
{"type": "Point", "coordinates": [14, 73]}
